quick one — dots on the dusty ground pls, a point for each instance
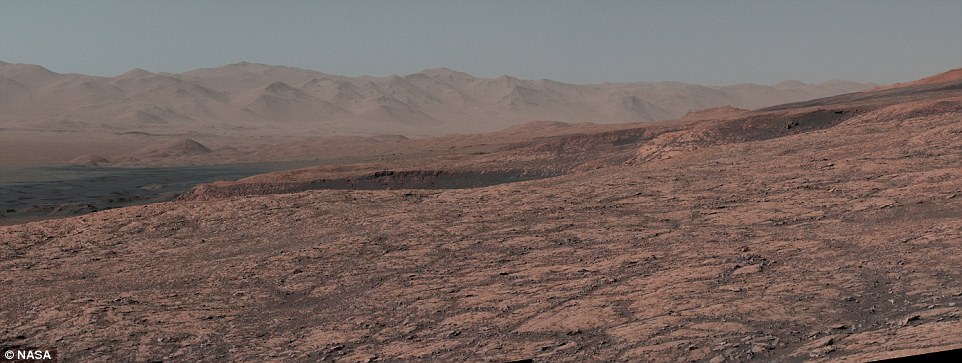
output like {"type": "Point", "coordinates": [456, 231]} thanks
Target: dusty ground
{"type": "Point", "coordinates": [783, 235]}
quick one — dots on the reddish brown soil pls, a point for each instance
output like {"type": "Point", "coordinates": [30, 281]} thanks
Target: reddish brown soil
{"type": "Point", "coordinates": [827, 231]}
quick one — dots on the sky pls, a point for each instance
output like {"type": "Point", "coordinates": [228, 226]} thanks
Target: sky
{"type": "Point", "coordinates": [704, 42]}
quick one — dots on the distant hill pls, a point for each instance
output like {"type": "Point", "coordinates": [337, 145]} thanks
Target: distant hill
{"type": "Point", "coordinates": [257, 98]}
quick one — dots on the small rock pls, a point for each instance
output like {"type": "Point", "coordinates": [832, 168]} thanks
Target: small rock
{"type": "Point", "coordinates": [824, 342]}
{"type": "Point", "coordinates": [717, 359]}
{"type": "Point", "coordinates": [821, 352]}
{"type": "Point", "coordinates": [910, 319]}
{"type": "Point", "coordinates": [750, 269]}
{"type": "Point", "coordinates": [568, 345]}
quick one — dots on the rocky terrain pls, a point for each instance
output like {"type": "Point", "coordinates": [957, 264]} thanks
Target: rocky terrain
{"type": "Point", "coordinates": [825, 230]}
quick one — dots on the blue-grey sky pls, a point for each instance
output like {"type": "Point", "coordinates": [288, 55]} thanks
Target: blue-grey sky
{"type": "Point", "coordinates": [708, 42]}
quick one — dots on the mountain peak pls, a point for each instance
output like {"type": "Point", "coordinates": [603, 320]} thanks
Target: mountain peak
{"type": "Point", "coordinates": [791, 83]}
{"type": "Point", "coordinates": [246, 66]}
{"type": "Point", "coordinates": [444, 72]}
{"type": "Point", "coordinates": [29, 68]}
{"type": "Point", "coordinates": [135, 73]}
{"type": "Point", "coordinates": [281, 88]}
{"type": "Point", "coordinates": [242, 64]}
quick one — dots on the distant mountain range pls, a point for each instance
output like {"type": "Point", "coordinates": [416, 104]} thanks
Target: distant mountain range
{"type": "Point", "coordinates": [247, 98]}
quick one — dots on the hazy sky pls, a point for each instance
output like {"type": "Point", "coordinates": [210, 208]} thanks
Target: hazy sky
{"type": "Point", "coordinates": [709, 42]}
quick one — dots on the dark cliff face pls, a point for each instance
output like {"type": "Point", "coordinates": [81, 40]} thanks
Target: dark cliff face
{"type": "Point", "coordinates": [380, 180]}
